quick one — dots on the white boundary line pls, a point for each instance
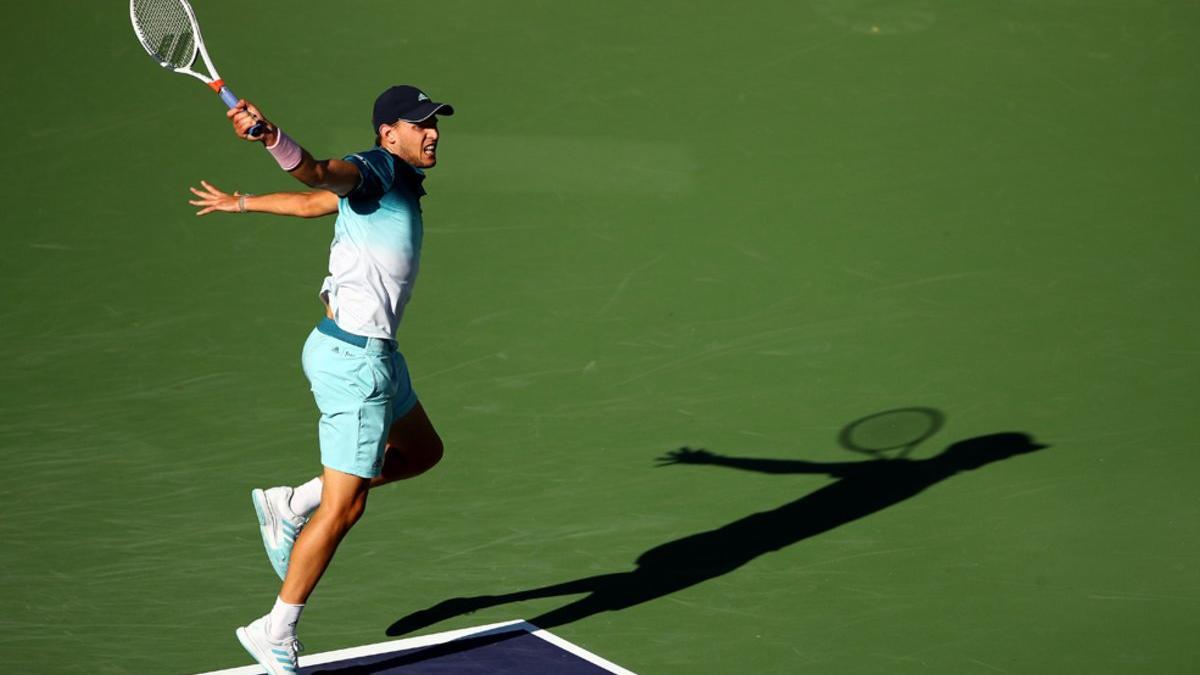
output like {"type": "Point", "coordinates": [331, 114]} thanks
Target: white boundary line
{"type": "Point", "coordinates": [576, 650]}
{"type": "Point", "coordinates": [437, 639]}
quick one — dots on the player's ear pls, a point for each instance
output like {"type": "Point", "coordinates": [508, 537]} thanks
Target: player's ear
{"type": "Point", "coordinates": [386, 132]}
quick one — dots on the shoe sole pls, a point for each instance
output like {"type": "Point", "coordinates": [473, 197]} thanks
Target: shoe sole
{"type": "Point", "coordinates": [259, 498]}
{"type": "Point", "coordinates": [249, 646]}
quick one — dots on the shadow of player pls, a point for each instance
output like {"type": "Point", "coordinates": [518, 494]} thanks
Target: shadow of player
{"type": "Point", "coordinates": [862, 489]}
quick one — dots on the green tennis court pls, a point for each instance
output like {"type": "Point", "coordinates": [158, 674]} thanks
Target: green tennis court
{"type": "Point", "coordinates": [655, 228]}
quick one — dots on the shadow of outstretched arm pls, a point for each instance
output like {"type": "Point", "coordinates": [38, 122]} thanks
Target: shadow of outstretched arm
{"type": "Point", "coordinates": [687, 455]}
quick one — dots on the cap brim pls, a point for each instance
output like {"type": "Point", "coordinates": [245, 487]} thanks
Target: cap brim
{"type": "Point", "coordinates": [426, 110]}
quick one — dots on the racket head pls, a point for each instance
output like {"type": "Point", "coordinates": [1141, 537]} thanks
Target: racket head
{"type": "Point", "coordinates": [167, 30]}
{"type": "Point", "coordinates": [891, 434]}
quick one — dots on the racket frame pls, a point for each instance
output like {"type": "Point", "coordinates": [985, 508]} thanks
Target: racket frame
{"type": "Point", "coordinates": [213, 80]}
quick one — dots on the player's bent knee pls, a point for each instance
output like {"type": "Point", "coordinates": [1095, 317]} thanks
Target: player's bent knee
{"type": "Point", "coordinates": [434, 453]}
{"type": "Point", "coordinates": [412, 459]}
{"type": "Point", "coordinates": [427, 456]}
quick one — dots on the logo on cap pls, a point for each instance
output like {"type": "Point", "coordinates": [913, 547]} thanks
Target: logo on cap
{"type": "Point", "coordinates": [421, 97]}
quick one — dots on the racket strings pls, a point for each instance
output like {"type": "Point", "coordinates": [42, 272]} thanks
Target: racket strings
{"type": "Point", "coordinates": [165, 31]}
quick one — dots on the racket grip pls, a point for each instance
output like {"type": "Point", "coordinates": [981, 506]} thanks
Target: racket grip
{"type": "Point", "coordinates": [230, 99]}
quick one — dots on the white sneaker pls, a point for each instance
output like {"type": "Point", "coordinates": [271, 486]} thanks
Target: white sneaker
{"type": "Point", "coordinates": [279, 658]}
{"type": "Point", "coordinates": [279, 525]}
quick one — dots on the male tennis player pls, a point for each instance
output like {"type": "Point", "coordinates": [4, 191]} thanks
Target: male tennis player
{"type": "Point", "coordinates": [372, 429]}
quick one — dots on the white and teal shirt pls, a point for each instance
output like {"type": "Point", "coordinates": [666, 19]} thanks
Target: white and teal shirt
{"type": "Point", "coordinates": [376, 247]}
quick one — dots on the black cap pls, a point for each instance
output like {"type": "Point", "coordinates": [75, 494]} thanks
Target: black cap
{"type": "Point", "coordinates": [406, 102]}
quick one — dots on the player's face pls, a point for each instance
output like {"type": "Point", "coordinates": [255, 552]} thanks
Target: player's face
{"type": "Point", "coordinates": [415, 143]}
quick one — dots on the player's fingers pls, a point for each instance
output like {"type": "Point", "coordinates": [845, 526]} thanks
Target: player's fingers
{"type": "Point", "coordinates": [242, 121]}
{"type": "Point", "coordinates": [212, 189]}
{"type": "Point", "coordinates": [255, 118]}
{"type": "Point", "coordinates": [244, 124]}
{"type": "Point", "coordinates": [242, 107]}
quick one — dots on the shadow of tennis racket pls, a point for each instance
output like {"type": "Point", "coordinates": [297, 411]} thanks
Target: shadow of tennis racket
{"type": "Point", "coordinates": [891, 434]}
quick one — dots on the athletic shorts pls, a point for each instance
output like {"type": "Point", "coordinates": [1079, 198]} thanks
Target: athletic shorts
{"type": "Point", "coordinates": [361, 385]}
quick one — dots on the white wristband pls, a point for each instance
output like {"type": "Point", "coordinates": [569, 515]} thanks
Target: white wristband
{"type": "Point", "coordinates": [285, 151]}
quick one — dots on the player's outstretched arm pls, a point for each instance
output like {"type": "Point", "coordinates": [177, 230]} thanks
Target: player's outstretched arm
{"type": "Point", "coordinates": [334, 175]}
{"type": "Point", "coordinates": [301, 204]}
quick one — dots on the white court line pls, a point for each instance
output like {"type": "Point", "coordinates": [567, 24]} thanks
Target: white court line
{"type": "Point", "coordinates": [437, 639]}
{"type": "Point", "coordinates": [576, 650]}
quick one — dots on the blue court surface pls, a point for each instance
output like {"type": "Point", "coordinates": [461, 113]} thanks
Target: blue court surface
{"type": "Point", "coordinates": [510, 647]}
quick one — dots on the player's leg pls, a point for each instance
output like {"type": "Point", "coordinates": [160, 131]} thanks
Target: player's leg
{"type": "Point", "coordinates": [271, 639]}
{"type": "Point", "coordinates": [343, 501]}
{"type": "Point", "coordinates": [414, 447]}
{"type": "Point", "coordinates": [352, 386]}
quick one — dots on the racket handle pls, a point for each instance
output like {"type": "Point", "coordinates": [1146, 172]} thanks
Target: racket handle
{"type": "Point", "coordinates": [227, 96]}
{"type": "Point", "coordinates": [231, 100]}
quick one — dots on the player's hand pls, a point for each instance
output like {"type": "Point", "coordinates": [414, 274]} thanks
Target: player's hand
{"type": "Point", "coordinates": [686, 456]}
{"type": "Point", "coordinates": [244, 116]}
{"type": "Point", "coordinates": [213, 199]}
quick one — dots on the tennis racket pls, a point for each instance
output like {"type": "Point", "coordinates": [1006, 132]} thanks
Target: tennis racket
{"type": "Point", "coordinates": [169, 32]}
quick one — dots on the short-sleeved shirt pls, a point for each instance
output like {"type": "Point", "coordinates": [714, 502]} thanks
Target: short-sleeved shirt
{"type": "Point", "coordinates": [376, 247]}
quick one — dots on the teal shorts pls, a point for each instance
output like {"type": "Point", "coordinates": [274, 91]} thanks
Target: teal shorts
{"type": "Point", "coordinates": [361, 386]}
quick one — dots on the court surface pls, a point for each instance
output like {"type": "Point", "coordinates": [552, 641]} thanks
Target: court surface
{"type": "Point", "coordinates": [672, 250]}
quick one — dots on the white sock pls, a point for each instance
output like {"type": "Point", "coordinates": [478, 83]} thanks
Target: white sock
{"type": "Point", "coordinates": [306, 498]}
{"type": "Point", "coordinates": [281, 622]}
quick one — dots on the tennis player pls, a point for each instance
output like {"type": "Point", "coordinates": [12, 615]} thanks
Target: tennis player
{"type": "Point", "coordinates": [372, 428]}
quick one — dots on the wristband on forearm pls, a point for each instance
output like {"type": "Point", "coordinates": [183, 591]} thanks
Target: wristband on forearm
{"type": "Point", "coordinates": [242, 203]}
{"type": "Point", "coordinates": [285, 151]}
